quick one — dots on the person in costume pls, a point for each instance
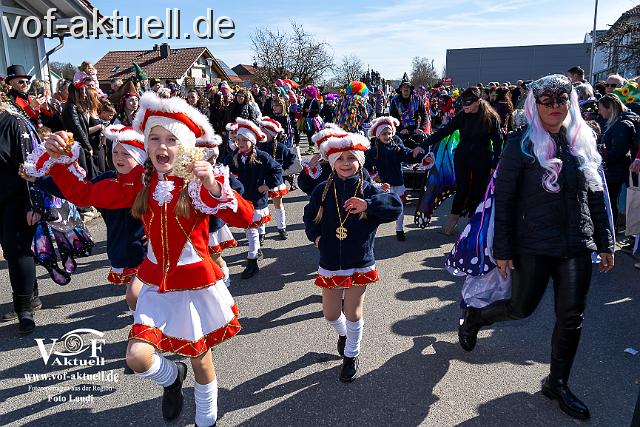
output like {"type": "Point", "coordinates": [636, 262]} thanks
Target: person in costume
{"type": "Point", "coordinates": [220, 237]}
{"type": "Point", "coordinates": [127, 99]}
{"type": "Point", "coordinates": [36, 109]}
{"type": "Point", "coordinates": [341, 219]}
{"type": "Point", "coordinates": [384, 161]}
{"type": "Point", "coordinates": [550, 214]}
{"type": "Point", "coordinates": [184, 307]}
{"type": "Point", "coordinates": [259, 173]}
{"type": "Point", "coordinates": [288, 161]}
{"type": "Point", "coordinates": [310, 112]}
{"type": "Point", "coordinates": [409, 109]}
{"type": "Point", "coordinates": [352, 111]}
{"type": "Point", "coordinates": [476, 155]}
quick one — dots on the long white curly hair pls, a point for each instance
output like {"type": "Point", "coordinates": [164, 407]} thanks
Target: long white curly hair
{"type": "Point", "coordinates": [581, 140]}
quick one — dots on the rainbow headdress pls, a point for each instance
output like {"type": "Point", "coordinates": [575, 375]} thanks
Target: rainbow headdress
{"type": "Point", "coordinates": [357, 88]}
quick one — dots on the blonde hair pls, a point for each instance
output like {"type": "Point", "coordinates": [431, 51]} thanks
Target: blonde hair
{"type": "Point", "coordinates": [141, 203]}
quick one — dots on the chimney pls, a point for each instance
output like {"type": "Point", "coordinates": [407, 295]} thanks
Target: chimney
{"type": "Point", "coordinates": [155, 47]}
{"type": "Point", "coordinates": [165, 50]}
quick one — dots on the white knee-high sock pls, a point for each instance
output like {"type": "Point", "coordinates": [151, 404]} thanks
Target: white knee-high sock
{"type": "Point", "coordinates": [400, 221]}
{"type": "Point", "coordinates": [354, 336]}
{"type": "Point", "coordinates": [206, 397]}
{"type": "Point", "coordinates": [262, 228]}
{"type": "Point", "coordinates": [226, 279]}
{"type": "Point", "coordinates": [339, 325]}
{"type": "Point", "coordinates": [254, 242]}
{"type": "Point", "coordinates": [162, 371]}
{"type": "Point", "coordinates": [281, 218]}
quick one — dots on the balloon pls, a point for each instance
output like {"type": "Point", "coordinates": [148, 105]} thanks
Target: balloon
{"type": "Point", "coordinates": [279, 83]}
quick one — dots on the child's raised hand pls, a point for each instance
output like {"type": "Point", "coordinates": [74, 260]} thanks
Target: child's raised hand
{"type": "Point", "coordinates": [203, 170]}
{"type": "Point", "coordinates": [314, 160]}
{"type": "Point", "coordinates": [57, 143]}
{"type": "Point", "coordinates": [355, 205]}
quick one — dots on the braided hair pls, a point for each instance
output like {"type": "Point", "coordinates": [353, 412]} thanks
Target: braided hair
{"type": "Point", "coordinates": [141, 203]}
{"type": "Point", "coordinates": [327, 186]}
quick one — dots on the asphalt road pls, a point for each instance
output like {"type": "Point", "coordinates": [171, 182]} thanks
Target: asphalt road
{"type": "Point", "coordinates": [282, 369]}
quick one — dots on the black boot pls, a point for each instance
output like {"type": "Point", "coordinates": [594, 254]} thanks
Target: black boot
{"type": "Point", "coordinates": [251, 269]}
{"type": "Point", "coordinates": [22, 306]}
{"type": "Point", "coordinates": [400, 236]}
{"type": "Point", "coordinates": [283, 233]}
{"type": "Point", "coordinates": [342, 341]}
{"type": "Point", "coordinates": [349, 369]}
{"type": "Point", "coordinates": [172, 398]}
{"type": "Point", "coordinates": [557, 389]}
{"type": "Point", "coordinates": [468, 331]}
{"type": "Point", "coordinates": [36, 303]}
{"type": "Point", "coordinates": [260, 254]}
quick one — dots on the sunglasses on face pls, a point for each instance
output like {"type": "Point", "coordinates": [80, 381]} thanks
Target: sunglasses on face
{"type": "Point", "coordinates": [24, 82]}
{"type": "Point", "coordinates": [552, 102]}
{"type": "Point", "coordinates": [468, 102]}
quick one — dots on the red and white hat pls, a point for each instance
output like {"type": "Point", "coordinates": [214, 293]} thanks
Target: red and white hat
{"type": "Point", "coordinates": [231, 127]}
{"type": "Point", "coordinates": [175, 115]}
{"type": "Point", "coordinates": [131, 140]}
{"type": "Point", "coordinates": [271, 126]}
{"type": "Point", "coordinates": [331, 141]}
{"type": "Point", "coordinates": [250, 130]}
{"type": "Point", "coordinates": [382, 123]}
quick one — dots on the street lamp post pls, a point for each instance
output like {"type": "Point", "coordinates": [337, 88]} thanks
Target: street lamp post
{"type": "Point", "coordinates": [593, 44]}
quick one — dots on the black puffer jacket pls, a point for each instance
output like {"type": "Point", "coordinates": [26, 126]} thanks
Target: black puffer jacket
{"type": "Point", "coordinates": [621, 146]}
{"type": "Point", "coordinates": [530, 220]}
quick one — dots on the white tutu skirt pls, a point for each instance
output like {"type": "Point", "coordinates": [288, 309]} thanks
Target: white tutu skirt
{"type": "Point", "coordinates": [220, 240]}
{"type": "Point", "coordinates": [260, 216]}
{"type": "Point", "coordinates": [185, 322]}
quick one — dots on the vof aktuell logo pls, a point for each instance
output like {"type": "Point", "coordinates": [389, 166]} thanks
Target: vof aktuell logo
{"type": "Point", "coordinates": [80, 347]}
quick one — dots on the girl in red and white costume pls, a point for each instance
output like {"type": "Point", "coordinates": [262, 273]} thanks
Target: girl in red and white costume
{"type": "Point", "coordinates": [288, 161]}
{"type": "Point", "coordinates": [184, 306]}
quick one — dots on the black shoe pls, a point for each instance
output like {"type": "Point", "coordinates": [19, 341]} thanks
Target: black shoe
{"type": "Point", "coordinates": [251, 269]}
{"type": "Point", "coordinates": [349, 369]}
{"type": "Point", "coordinates": [468, 331]}
{"type": "Point", "coordinates": [283, 233]}
{"type": "Point", "coordinates": [212, 425]}
{"type": "Point", "coordinates": [9, 316]}
{"type": "Point", "coordinates": [400, 236]}
{"type": "Point", "coordinates": [261, 239]}
{"type": "Point", "coordinates": [172, 398]}
{"type": "Point", "coordinates": [569, 403]}
{"type": "Point", "coordinates": [260, 254]}
{"type": "Point", "coordinates": [22, 306]}
{"type": "Point", "coordinates": [342, 341]}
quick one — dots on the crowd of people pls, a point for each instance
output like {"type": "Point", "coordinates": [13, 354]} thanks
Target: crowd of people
{"type": "Point", "coordinates": [166, 166]}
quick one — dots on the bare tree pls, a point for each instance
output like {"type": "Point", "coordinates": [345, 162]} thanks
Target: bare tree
{"type": "Point", "coordinates": [290, 54]}
{"type": "Point", "coordinates": [622, 43]}
{"type": "Point", "coordinates": [63, 69]}
{"type": "Point", "coordinates": [423, 72]}
{"type": "Point", "coordinates": [349, 69]}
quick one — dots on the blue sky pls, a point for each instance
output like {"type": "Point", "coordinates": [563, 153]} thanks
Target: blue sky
{"type": "Point", "coordinates": [384, 34]}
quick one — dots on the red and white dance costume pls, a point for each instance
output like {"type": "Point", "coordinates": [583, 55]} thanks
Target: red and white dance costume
{"type": "Point", "coordinates": [254, 170]}
{"type": "Point", "coordinates": [183, 306]}
{"type": "Point", "coordinates": [285, 157]}
{"type": "Point", "coordinates": [346, 241]}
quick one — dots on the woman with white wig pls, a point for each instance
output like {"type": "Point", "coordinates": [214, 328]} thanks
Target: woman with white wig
{"type": "Point", "coordinates": [550, 215]}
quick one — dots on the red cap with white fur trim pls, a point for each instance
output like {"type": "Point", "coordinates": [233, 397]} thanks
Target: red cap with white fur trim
{"type": "Point", "coordinates": [231, 127]}
{"type": "Point", "coordinates": [250, 130]}
{"type": "Point", "coordinates": [334, 140]}
{"type": "Point", "coordinates": [272, 126]}
{"type": "Point", "coordinates": [381, 123]}
{"type": "Point", "coordinates": [131, 140]}
{"type": "Point", "coordinates": [174, 114]}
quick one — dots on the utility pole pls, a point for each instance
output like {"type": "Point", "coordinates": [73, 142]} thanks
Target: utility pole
{"type": "Point", "coordinates": [593, 45]}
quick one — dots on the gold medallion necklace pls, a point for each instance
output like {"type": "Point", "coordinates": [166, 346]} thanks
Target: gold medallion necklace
{"type": "Point", "coordinates": [341, 231]}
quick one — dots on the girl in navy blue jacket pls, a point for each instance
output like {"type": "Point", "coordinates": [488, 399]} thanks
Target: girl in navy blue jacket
{"type": "Point", "coordinates": [384, 160]}
{"type": "Point", "coordinates": [259, 173]}
{"type": "Point", "coordinates": [341, 219]}
{"type": "Point", "coordinates": [289, 162]}
{"type": "Point", "coordinates": [126, 244]}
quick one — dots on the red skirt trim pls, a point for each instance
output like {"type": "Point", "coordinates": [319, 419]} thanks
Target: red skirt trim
{"type": "Point", "coordinates": [217, 249]}
{"type": "Point", "coordinates": [123, 278]}
{"type": "Point", "coordinates": [356, 279]}
{"type": "Point", "coordinates": [278, 193]}
{"type": "Point", "coordinates": [258, 223]}
{"type": "Point", "coordinates": [162, 342]}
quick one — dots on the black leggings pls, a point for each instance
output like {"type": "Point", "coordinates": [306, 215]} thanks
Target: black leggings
{"type": "Point", "coordinates": [15, 238]}
{"type": "Point", "coordinates": [571, 279]}
{"type": "Point", "coordinates": [471, 183]}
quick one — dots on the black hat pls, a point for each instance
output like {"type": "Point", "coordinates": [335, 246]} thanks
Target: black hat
{"type": "Point", "coordinates": [16, 71]}
{"type": "Point", "coordinates": [404, 81]}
